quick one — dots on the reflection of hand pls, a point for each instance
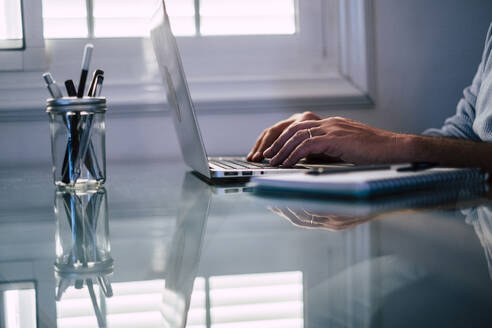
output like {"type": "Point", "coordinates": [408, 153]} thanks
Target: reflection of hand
{"type": "Point", "coordinates": [335, 137]}
{"type": "Point", "coordinates": [268, 136]}
{"type": "Point", "coordinates": [306, 219]}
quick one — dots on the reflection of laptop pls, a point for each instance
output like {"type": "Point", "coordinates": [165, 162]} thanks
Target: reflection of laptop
{"type": "Point", "coordinates": [179, 99]}
{"type": "Point", "coordinates": [185, 251]}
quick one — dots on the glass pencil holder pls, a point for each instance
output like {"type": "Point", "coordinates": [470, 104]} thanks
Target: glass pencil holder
{"type": "Point", "coordinates": [78, 141]}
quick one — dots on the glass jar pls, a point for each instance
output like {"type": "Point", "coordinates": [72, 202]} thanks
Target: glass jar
{"type": "Point", "coordinates": [78, 141]}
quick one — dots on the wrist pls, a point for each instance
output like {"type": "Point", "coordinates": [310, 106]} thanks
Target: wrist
{"type": "Point", "coordinates": [407, 148]}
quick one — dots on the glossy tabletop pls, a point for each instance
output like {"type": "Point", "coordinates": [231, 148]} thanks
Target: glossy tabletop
{"type": "Point", "coordinates": [159, 247]}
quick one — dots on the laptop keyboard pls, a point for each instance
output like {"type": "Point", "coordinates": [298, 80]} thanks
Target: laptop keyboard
{"type": "Point", "coordinates": [238, 164]}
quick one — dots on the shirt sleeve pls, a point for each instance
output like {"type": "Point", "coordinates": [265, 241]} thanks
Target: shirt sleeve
{"type": "Point", "coordinates": [461, 124]}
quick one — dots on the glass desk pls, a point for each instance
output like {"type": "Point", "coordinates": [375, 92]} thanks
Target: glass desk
{"type": "Point", "coordinates": [161, 248]}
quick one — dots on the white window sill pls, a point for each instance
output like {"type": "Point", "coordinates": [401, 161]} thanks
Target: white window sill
{"type": "Point", "coordinates": [227, 96]}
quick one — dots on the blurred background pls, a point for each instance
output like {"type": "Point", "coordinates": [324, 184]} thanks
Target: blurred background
{"type": "Point", "coordinates": [398, 65]}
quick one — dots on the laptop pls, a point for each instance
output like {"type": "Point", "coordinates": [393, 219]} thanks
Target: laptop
{"type": "Point", "coordinates": [184, 117]}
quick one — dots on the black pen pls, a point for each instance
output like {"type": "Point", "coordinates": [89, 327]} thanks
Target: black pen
{"type": "Point", "coordinates": [71, 90]}
{"type": "Point", "coordinates": [86, 59]}
{"type": "Point", "coordinates": [98, 87]}
{"type": "Point", "coordinates": [88, 154]}
{"type": "Point", "coordinates": [94, 81]}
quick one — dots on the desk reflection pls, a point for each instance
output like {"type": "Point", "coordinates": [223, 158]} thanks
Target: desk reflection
{"type": "Point", "coordinates": [273, 299]}
{"type": "Point", "coordinates": [82, 250]}
{"type": "Point", "coordinates": [184, 255]}
{"type": "Point", "coordinates": [365, 294]}
{"type": "Point", "coordinates": [481, 220]}
{"type": "Point", "coordinates": [187, 254]}
{"type": "Point", "coordinates": [83, 258]}
{"type": "Point", "coordinates": [297, 289]}
{"type": "Point", "coordinates": [339, 214]}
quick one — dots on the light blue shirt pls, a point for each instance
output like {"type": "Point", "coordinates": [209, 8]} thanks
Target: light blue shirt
{"type": "Point", "coordinates": [473, 118]}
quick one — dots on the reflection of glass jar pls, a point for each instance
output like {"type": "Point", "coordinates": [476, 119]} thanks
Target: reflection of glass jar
{"type": "Point", "coordinates": [82, 246]}
{"type": "Point", "coordinates": [82, 231]}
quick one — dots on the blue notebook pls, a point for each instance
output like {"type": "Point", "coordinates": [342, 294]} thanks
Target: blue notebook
{"type": "Point", "coordinates": [362, 184]}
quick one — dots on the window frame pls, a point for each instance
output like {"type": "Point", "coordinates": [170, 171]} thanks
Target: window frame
{"type": "Point", "coordinates": [32, 55]}
{"type": "Point", "coordinates": [23, 41]}
{"type": "Point", "coordinates": [337, 40]}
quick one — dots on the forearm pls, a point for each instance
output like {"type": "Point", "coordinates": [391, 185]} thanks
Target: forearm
{"type": "Point", "coordinates": [447, 151]}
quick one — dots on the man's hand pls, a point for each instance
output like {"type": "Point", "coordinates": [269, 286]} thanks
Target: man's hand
{"type": "Point", "coordinates": [337, 137]}
{"type": "Point", "coordinates": [271, 134]}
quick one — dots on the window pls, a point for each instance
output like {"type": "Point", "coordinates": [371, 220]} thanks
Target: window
{"type": "Point", "coordinates": [110, 18]}
{"type": "Point", "coordinates": [21, 43]}
{"type": "Point", "coordinates": [236, 53]}
{"type": "Point", "coordinates": [115, 18]}
{"type": "Point", "coordinates": [11, 34]}
{"type": "Point", "coordinates": [221, 41]}
{"type": "Point", "coordinates": [247, 17]}
{"type": "Point", "coordinates": [65, 19]}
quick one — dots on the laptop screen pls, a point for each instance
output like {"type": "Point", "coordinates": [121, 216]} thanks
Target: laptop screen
{"type": "Point", "coordinates": [177, 92]}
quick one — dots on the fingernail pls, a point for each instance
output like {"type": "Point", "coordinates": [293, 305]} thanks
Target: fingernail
{"type": "Point", "coordinates": [257, 156]}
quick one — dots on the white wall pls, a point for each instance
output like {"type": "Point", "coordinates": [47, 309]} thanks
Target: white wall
{"type": "Point", "coordinates": [426, 52]}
